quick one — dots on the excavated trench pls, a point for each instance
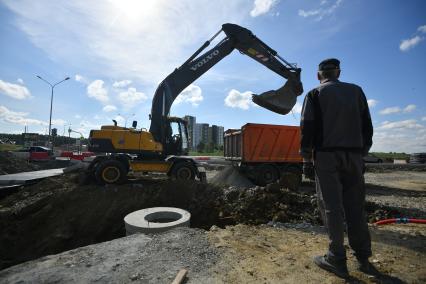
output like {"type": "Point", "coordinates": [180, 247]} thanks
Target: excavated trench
{"type": "Point", "coordinates": [57, 214]}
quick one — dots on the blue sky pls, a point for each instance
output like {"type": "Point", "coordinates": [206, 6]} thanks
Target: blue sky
{"type": "Point", "coordinates": [116, 52]}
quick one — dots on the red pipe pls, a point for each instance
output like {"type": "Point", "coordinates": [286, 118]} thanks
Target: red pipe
{"type": "Point", "coordinates": [400, 221]}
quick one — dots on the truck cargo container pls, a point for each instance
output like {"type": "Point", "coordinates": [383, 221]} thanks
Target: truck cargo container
{"type": "Point", "coordinates": [265, 152]}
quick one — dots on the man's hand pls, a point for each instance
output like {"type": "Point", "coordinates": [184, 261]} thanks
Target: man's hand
{"type": "Point", "coordinates": [308, 170]}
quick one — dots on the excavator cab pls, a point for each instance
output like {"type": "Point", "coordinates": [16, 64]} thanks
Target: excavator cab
{"type": "Point", "coordinates": [176, 137]}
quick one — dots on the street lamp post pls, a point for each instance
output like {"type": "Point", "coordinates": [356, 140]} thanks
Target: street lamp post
{"type": "Point", "coordinates": [51, 102]}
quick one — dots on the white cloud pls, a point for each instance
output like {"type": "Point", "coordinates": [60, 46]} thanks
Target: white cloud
{"type": "Point", "coordinates": [405, 140]}
{"type": "Point", "coordinates": [131, 97]}
{"type": "Point", "coordinates": [85, 127]}
{"type": "Point", "coordinates": [407, 44]}
{"type": "Point", "coordinates": [79, 78]}
{"type": "Point", "coordinates": [58, 122]}
{"type": "Point", "coordinates": [235, 99]}
{"type": "Point", "coordinates": [297, 108]}
{"type": "Point", "coordinates": [121, 84]}
{"type": "Point", "coordinates": [262, 7]}
{"type": "Point", "coordinates": [14, 91]}
{"type": "Point", "coordinates": [372, 102]}
{"type": "Point", "coordinates": [321, 12]}
{"type": "Point", "coordinates": [309, 13]}
{"type": "Point", "coordinates": [124, 38]}
{"type": "Point", "coordinates": [403, 124]}
{"type": "Point", "coordinates": [119, 119]}
{"type": "Point", "coordinates": [97, 91]}
{"type": "Point", "coordinates": [409, 108]}
{"type": "Point", "coordinates": [18, 117]}
{"type": "Point", "coordinates": [424, 118]}
{"type": "Point", "coordinates": [390, 110]}
{"type": "Point", "coordinates": [109, 108]}
{"type": "Point", "coordinates": [393, 110]}
{"type": "Point", "coordinates": [422, 29]}
{"type": "Point", "coordinates": [77, 116]}
{"type": "Point", "coordinates": [192, 94]}
{"type": "Point", "coordinates": [20, 81]}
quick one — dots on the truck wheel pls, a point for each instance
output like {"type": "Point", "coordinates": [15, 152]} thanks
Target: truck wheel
{"type": "Point", "coordinates": [183, 171]}
{"type": "Point", "coordinates": [110, 171]}
{"type": "Point", "coordinates": [291, 178]}
{"type": "Point", "coordinates": [266, 174]}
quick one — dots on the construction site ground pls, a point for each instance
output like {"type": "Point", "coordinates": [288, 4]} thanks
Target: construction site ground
{"type": "Point", "coordinates": [59, 231]}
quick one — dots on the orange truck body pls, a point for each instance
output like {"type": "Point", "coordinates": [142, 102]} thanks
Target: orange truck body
{"type": "Point", "coordinates": [263, 143]}
{"type": "Point", "coordinates": [265, 153]}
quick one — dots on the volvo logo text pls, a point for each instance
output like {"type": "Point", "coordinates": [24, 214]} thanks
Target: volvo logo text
{"type": "Point", "coordinates": [205, 60]}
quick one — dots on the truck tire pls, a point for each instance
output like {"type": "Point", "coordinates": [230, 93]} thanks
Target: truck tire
{"type": "Point", "coordinates": [291, 178]}
{"type": "Point", "coordinates": [183, 171]}
{"type": "Point", "coordinates": [110, 172]}
{"type": "Point", "coordinates": [266, 174]}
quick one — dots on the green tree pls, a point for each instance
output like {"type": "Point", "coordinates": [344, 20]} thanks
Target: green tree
{"type": "Point", "coordinates": [201, 146]}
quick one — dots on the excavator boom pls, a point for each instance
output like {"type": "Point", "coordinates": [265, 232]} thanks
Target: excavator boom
{"type": "Point", "coordinates": [280, 101]}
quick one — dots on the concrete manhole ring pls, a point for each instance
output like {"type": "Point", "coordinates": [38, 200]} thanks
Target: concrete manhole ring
{"type": "Point", "coordinates": [156, 219]}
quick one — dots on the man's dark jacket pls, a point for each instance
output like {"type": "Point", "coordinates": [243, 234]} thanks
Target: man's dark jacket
{"type": "Point", "coordinates": [335, 116]}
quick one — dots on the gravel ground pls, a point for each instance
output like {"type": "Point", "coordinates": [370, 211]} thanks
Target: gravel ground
{"type": "Point", "coordinates": [401, 189]}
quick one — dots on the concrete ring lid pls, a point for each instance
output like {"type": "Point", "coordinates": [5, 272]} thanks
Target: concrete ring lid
{"type": "Point", "coordinates": [156, 219]}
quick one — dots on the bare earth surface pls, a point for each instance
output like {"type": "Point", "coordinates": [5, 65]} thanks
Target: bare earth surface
{"type": "Point", "coordinates": [284, 255]}
{"type": "Point", "coordinates": [242, 253]}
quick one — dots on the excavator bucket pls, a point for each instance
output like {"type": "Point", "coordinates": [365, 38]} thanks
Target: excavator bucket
{"type": "Point", "coordinates": [281, 100]}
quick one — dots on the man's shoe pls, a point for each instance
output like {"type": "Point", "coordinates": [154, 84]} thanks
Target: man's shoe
{"type": "Point", "coordinates": [339, 268]}
{"type": "Point", "coordinates": [367, 267]}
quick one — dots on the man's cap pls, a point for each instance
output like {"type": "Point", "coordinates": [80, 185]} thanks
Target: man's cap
{"type": "Point", "coordinates": [329, 64]}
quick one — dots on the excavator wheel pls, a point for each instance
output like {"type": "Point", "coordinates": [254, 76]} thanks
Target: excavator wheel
{"type": "Point", "coordinates": [183, 171]}
{"type": "Point", "coordinates": [266, 174]}
{"type": "Point", "coordinates": [110, 172]}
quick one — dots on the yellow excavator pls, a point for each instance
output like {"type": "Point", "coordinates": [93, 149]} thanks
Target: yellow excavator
{"type": "Point", "coordinates": [162, 149]}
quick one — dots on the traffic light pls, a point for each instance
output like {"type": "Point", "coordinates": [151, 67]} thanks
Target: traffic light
{"type": "Point", "coordinates": [54, 132]}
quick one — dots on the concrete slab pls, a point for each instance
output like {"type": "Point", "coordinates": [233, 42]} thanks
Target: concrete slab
{"type": "Point", "coordinates": [22, 178]}
{"type": "Point", "coordinates": [134, 259]}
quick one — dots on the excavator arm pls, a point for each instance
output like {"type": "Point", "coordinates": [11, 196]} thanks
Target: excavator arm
{"type": "Point", "coordinates": [280, 101]}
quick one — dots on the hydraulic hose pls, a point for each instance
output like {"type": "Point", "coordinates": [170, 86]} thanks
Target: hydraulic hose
{"type": "Point", "coordinates": [400, 221]}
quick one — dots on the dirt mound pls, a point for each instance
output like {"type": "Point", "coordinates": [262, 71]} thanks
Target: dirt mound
{"type": "Point", "coordinates": [231, 176]}
{"type": "Point", "coordinates": [10, 164]}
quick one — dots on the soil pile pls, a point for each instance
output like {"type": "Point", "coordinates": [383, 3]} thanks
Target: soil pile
{"type": "Point", "coordinates": [231, 176]}
{"type": "Point", "coordinates": [10, 164]}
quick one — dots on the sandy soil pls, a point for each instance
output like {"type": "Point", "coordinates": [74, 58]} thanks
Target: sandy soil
{"type": "Point", "coordinates": [284, 255]}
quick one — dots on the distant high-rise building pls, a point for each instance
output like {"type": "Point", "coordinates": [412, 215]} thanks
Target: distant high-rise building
{"type": "Point", "coordinates": [191, 121]}
{"type": "Point", "coordinates": [197, 135]}
{"type": "Point", "coordinates": [220, 131]}
{"type": "Point", "coordinates": [217, 135]}
{"type": "Point", "coordinates": [204, 133]}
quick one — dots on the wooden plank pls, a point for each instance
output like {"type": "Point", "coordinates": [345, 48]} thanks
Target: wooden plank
{"type": "Point", "coordinates": [180, 276]}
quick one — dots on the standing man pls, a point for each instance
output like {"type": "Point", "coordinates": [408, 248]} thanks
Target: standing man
{"type": "Point", "coordinates": [336, 133]}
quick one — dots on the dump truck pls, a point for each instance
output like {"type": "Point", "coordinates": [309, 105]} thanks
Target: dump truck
{"type": "Point", "coordinates": [265, 153]}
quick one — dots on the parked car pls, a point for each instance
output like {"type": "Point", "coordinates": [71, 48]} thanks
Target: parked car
{"type": "Point", "coordinates": [418, 158]}
{"type": "Point", "coordinates": [35, 153]}
{"type": "Point", "coordinates": [370, 158]}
